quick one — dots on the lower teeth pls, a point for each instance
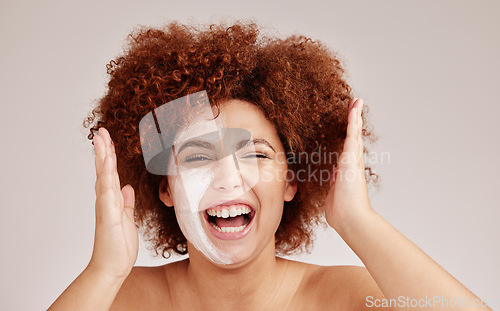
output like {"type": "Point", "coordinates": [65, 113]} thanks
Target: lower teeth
{"type": "Point", "coordinates": [229, 229]}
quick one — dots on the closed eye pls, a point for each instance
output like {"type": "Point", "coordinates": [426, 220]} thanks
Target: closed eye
{"type": "Point", "coordinates": [198, 157]}
{"type": "Point", "coordinates": [256, 155]}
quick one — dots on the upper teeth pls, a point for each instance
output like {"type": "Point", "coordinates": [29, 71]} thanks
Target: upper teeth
{"type": "Point", "coordinates": [229, 211]}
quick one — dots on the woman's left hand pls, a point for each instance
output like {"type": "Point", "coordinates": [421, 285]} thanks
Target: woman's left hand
{"type": "Point", "coordinates": [398, 267]}
{"type": "Point", "coordinates": [348, 196]}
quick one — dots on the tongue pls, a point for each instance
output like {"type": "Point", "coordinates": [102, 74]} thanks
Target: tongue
{"type": "Point", "coordinates": [230, 221]}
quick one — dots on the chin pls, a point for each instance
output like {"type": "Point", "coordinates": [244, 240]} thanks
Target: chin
{"type": "Point", "coordinates": [239, 256]}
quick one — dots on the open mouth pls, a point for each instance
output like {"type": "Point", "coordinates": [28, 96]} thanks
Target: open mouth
{"type": "Point", "coordinates": [230, 219]}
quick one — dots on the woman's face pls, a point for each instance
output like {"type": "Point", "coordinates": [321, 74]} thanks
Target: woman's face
{"type": "Point", "coordinates": [230, 183]}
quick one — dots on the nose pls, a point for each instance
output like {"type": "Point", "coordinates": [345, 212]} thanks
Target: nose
{"type": "Point", "coordinates": [227, 175]}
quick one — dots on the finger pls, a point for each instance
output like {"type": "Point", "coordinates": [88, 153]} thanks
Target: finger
{"type": "Point", "coordinates": [360, 104]}
{"type": "Point", "coordinates": [107, 204]}
{"type": "Point", "coordinates": [350, 142]}
{"type": "Point", "coordinates": [109, 144]}
{"type": "Point", "coordinates": [352, 126]}
{"type": "Point", "coordinates": [111, 152]}
{"type": "Point", "coordinates": [129, 201]}
{"type": "Point", "coordinates": [353, 145]}
{"type": "Point", "coordinates": [351, 162]}
{"type": "Point", "coordinates": [116, 177]}
{"type": "Point", "coordinates": [100, 154]}
{"type": "Point", "coordinates": [359, 121]}
{"type": "Point", "coordinates": [106, 182]}
{"type": "Point", "coordinates": [103, 149]}
{"type": "Point", "coordinates": [332, 176]}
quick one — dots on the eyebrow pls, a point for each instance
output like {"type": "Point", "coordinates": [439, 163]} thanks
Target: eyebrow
{"type": "Point", "coordinates": [196, 143]}
{"type": "Point", "coordinates": [241, 144]}
{"type": "Point", "coordinates": [249, 142]}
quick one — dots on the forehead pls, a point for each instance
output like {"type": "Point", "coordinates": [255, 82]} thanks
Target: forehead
{"type": "Point", "coordinates": [202, 123]}
{"type": "Point", "coordinates": [234, 113]}
{"type": "Point", "coordinates": [242, 114]}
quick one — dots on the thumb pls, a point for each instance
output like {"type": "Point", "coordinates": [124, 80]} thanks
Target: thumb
{"type": "Point", "coordinates": [332, 175]}
{"type": "Point", "coordinates": [129, 201]}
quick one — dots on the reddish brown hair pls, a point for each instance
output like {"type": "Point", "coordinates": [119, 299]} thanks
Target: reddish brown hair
{"type": "Point", "coordinates": [297, 82]}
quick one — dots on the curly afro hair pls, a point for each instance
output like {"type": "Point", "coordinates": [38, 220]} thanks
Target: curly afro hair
{"type": "Point", "coordinates": [297, 82]}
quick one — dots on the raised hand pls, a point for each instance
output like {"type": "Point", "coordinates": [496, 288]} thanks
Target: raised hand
{"type": "Point", "coordinates": [398, 267]}
{"type": "Point", "coordinates": [348, 196]}
{"type": "Point", "coordinates": [116, 240]}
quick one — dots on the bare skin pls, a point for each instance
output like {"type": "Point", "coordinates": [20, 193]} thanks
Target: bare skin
{"type": "Point", "coordinates": [394, 265]}
{"type": "Point", "coordinates": [296, 286]}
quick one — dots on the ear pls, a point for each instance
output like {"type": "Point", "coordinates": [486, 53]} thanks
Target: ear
{"type": "Point", "coordinates": [291, 186]}
{"type": "Point", "coordinates": [165, 193]}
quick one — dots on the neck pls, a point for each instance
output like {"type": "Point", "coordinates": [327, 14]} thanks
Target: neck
{"type": "Point", "coordinates": [252, 285]}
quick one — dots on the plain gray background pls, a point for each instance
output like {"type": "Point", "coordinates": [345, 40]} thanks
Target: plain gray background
{"type": "Point", "coordinates": [428, 71]}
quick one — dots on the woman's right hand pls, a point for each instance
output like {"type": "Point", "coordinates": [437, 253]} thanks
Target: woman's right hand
{"type": "Point", "coordinates": [116, 240]}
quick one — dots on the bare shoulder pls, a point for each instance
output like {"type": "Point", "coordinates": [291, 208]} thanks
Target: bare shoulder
{"type": "Point", "coordinates": [144, 289]}
{"type": "Point", "coordinates": [347, 287]}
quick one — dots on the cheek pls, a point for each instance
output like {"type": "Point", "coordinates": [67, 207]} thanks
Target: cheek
{"type": "Point", "coordinates": [189, 187]}
{"type": "Point", "coordinates": [270, 189]}
{"type": "Point", "coordinates": [270, 195]}
{"type": "Point", "coordinates": [273, 175]}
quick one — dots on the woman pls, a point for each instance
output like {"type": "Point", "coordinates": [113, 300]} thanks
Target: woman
{"type": "Point", "coordinates": [234, 207]}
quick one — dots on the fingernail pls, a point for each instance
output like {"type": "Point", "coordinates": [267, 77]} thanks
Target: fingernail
{"type": "Point", "coordinates": [354, 101]}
